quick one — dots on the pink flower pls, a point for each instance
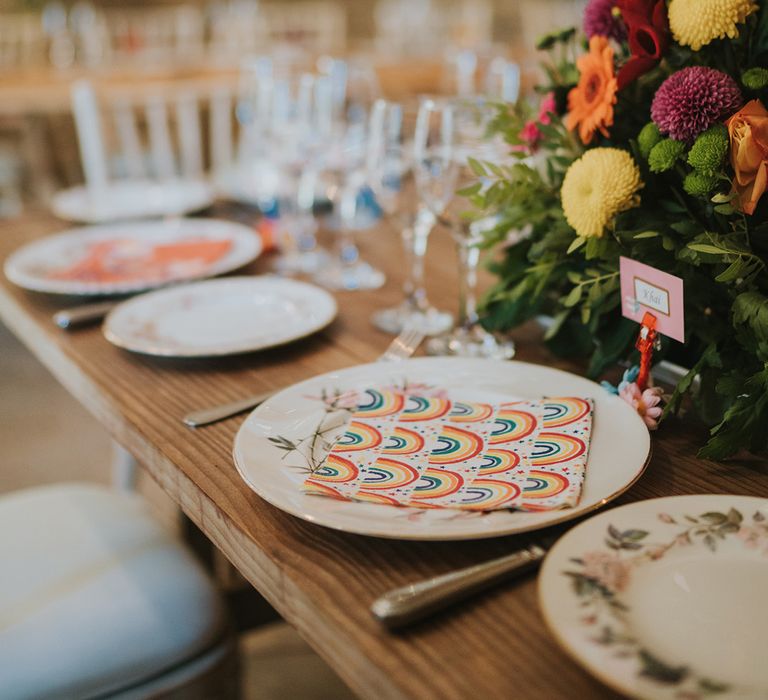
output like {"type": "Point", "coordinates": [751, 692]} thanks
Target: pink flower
{"type": "Point", "coordinates": [607, 569]}
{"type": "Point", "coordinates": [530, 133]}
{"type": "Point", "coordinates": [754, 537]}
{"type": "Point", "coordinates": [646, 403]}
{"type": "Point", "coordinates": [601, 19]}
{"type": "Point", "coordinates": [750, 535]}
{"type": "Point", "coordinates": [547, 108]}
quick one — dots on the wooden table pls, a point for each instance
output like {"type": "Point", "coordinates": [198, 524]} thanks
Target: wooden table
{"type": "Point", "coordinates": [322, 581]}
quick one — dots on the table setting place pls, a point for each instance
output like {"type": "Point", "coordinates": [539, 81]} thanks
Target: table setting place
{"type": "Point", "coordinates": [447, 436]}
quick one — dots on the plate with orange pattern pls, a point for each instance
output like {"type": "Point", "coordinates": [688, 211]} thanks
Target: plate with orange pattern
{"type": "Point", "coordinates": [132, 257]}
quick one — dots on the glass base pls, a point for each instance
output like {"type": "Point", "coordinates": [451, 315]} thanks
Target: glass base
{"type": "Point", "coordinates": [473, 342]}
{"type": "Point", "coordinates": [305, 262]}
{"type": "Point", "coordinates": [430, 321]}
{"type": "Point", "coordinates": [352, 277]}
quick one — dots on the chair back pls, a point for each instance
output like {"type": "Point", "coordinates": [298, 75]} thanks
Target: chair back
{"type": "Point", "coordinates": [159, 134]}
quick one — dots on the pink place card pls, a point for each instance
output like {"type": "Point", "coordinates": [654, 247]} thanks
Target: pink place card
{"type": "Point", "coordinates": [646, 289]}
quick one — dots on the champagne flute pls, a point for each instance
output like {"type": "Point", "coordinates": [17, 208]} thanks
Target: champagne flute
{"type": "Point", "coordinates": [440, 169]}
{"type": "Point", "coordinates": [389, 171]}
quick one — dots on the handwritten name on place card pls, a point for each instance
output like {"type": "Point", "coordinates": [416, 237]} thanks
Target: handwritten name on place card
{"type": "Point", "coordinates": [644, 288]}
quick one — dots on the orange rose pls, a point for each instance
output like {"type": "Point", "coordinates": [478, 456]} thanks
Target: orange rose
{"type": "Point", "coordinates": [748, 131]}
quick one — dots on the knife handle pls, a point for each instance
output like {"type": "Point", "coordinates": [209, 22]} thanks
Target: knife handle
{"type": "Point", "coordinates": [82, 315]}
{"type": "Point", "coordinates": [408, 604]}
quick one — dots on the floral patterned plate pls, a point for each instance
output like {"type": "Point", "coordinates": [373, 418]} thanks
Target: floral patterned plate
{"type": "Point", "coordinates": [288, 436]}
{"type": "Point", "coordinates": [219, 317]}
{"type": "Point", "coordinates": [665, 598]}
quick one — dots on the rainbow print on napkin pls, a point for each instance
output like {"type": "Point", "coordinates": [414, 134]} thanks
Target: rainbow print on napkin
{"type": "Point", "coordinates": [434, 452]}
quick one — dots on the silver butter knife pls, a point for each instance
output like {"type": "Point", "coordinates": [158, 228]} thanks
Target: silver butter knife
{"type": "Point", "coordinates": [402, 346]}
{"type": "Point", "coordinates": [216, 413]}
{"type": "Point", "coordinates": [408, 604]}
{"type": "Point", "coordinates": [82, 315]}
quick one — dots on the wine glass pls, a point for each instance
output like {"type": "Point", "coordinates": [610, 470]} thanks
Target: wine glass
{"type": "Point", "coordinates": [342, 172]}
{"type": "Point", "coordinates": [457, 130]}
{"type": "Point", "coordinates": [280, 116]}
{"type": "Point", "coordinates": [389, 172]}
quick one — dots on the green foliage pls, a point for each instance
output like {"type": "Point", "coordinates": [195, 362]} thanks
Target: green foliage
{"type": "Point", "coordinates": [687, 224]}
{"type": "Point", "coordinates": [665, 154]}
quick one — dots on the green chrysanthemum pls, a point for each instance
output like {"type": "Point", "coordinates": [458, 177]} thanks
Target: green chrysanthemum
{"type": "Point", "coordinates": [699, 184]}
{"type": "Point", "coordinates": [755, 78]}
{"type": "Point", "coordinates": [648, 137]}
{"type": "Point", "coordinates": [709, 149]}
{"type": "Point", "coordinates": [664, 155]}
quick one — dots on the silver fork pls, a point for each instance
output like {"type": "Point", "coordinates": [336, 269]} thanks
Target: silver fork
{"type": "Point", "coordinates": [404, 345]}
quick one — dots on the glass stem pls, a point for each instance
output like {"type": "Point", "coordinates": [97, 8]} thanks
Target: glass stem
{"type": "Point", "coordinates": [415, 245]}
{"type": "Point", "coordinates": [469, 257]}
{"type": "Point", "coordinates": [348, 252]}
{"type": "Point", "coordinates": [305, 199]}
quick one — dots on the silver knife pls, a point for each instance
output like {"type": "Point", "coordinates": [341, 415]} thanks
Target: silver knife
{"type": "Point", "coordinates": [83, 315]}
{"type": "Point", "coordinates": [408, 604]}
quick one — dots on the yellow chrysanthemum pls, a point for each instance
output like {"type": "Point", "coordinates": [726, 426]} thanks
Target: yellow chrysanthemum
{"type": "Point", "coordinates": [597, 186]}
{"type": "Point", "coordinates": [695, 23]}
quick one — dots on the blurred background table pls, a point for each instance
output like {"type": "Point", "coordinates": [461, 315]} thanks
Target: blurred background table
{"type": "Point", "coordinates": [156, 44]}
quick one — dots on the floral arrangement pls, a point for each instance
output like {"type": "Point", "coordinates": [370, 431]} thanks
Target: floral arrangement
{"type": "Point", "coordinates": [650, 142]}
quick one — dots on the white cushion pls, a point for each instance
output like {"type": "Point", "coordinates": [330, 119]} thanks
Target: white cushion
{"type": "Point", "coordinates": [94, 595]}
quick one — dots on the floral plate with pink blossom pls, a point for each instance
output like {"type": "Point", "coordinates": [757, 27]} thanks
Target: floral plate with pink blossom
{"type": "Point", "coordinates": [665, 598]}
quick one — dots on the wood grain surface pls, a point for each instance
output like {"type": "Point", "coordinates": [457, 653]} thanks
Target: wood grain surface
{"type": "Point", "coordinates": [321, 581]}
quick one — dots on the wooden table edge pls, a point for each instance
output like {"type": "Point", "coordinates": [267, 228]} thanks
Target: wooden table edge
{"type": "Point", "coordinates": [361, 676]}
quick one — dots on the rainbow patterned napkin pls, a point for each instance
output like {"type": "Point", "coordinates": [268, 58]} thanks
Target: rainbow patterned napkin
{"type": "Point", "coordinates": [434, 452]}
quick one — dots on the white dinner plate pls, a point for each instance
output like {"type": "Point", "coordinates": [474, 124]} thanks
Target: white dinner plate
{"type": "Point", "coordinates": [665, 598]}
{"type": "Point", "coordinates": [132, 199]}
{"type": "Point", "coordinates": [619, 450]}
{"type": "Point", "coordinates": [219, 317]}
{"type": "Point", "coordinates": [123, 250]}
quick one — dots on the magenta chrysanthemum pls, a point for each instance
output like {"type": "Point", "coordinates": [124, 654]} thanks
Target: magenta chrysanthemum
{"type": "Point", "coordinates": [692, 100]}
{"type": "Point", "coordinates": [600, 20]}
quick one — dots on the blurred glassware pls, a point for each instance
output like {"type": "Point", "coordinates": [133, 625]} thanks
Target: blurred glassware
{"type": "Point", "coordinates": [61, 51]}
{"type": "Point", "coordinates": [389, 173]}
{"type": "Point", "coordinates": [342, 170]}
{"type": "Point", "coordinates": [492, 76]}
{"type": "Point", "coordinates": [448, 133]}
{"type": "Point", "coordinates": [284, 114]}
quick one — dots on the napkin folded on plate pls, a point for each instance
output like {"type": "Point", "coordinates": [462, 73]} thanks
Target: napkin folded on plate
{"type": "Point", "coordinates": [434, 452]}
{"type": "Point", "coordinates": [124, 260]}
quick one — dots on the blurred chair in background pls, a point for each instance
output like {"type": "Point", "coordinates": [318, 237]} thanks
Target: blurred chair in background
{"type": "Point", "coordinates": [143, 151]}
{"type": "Point", "coordinates": [96, 599]}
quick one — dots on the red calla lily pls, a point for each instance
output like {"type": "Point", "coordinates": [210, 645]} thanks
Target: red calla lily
{"type": "Point", "coordinates": [648, 32]}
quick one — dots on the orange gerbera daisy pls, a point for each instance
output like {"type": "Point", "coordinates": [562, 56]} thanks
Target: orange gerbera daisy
{"type": "Point", "coordinates": [590, 103]}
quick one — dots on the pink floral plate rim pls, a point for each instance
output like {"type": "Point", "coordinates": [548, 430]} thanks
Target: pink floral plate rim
{"type": "Point", "coordinates": [589, 571]}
